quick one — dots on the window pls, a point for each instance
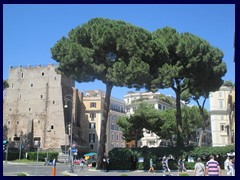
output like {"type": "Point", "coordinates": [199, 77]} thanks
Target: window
{"type": "Point", "coordinates": [10, 109]}
{"type": "Point", "coordinates": [220, 94]}
{"type": "Point", "coordinates": [55, 78]}
{"type": "Point", "coordinates": [29, 109]}
{"type": "Point", "coordinates": [92, 115]}
{"type": "Point", "coordinates": [159, 106]}
{"type": "Point", "coordinates": [117, 137]}
{"type": "Point", "coordinates": [32, 85]}
{"type": "Point", "coordinates": [12, 85]}
{"type": "Point", "coordinates": [22, 75]}
{"type": "Point", "coordinates": [112, 126]}
{"type": "Point", "coordinates": [112, 137]}
{"type": "Point", "coordinates": [9, 122]}
{"type": "Point", "coordinates": [17, 122]}
{"type": "Point", "coordinates": [151, 143]}
{"type": "Point", "coordinates": [53, 102]}
{"type": "Point", "coordinates": [91, 125]}
{"type": "Point", "coordinates": [220, 104]}
{"type": "Point", "coordinates": [91, 137]}
{"type": "Point", "coordinates": [41, 96]}
{"type": "Point", "coordinates": [163, 107]}
{"type": "Point", "coordinates": [91, 146]}
{"type": "Point", "coordinates": [20, 96]}
{"type": "Point", "coordinates": [42, 73]}
{"type": "Point", "coordinates": [221, 127]}
{"type": "Point", "coordinates": [92, 105]}
{"type": "Point", "coordinates": [39, 121]}
{"type": "Point", "coordinates": [52, 127]}
{"type": "Point", "coordinates": [223, 140]}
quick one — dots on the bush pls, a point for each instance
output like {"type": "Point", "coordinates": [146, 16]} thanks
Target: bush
{"type": "Point", "coordinates": [42, 155]}
{"type": "Point", "coordinates": [123, 175]}
{"type": "Point", "coordinates": [21, 174]}
{"type": "Point", "coordinates": [127, 159]}
{"type": "Point", "coordinates": [183, 174]}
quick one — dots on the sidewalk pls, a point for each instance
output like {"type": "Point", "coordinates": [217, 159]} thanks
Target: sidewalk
{"type": "Point", "coordinates": [95, 172]}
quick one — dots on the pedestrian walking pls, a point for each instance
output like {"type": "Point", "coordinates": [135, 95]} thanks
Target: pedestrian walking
{"type": "Point", "coordinates": [199, 168]}
{"type": "Point", "coordinates": [107, 163]}
{"type": "Point", "coordinates": [82, 162]}
{"type": "Point", "coordinates": [212, 167]}
{"type": "Point", "coordinates": [180, 167]}
{"type": "Point", "coordinates": [231, 167]}
{"type": "Point", "coordinates": [226, 165]}
{"type": "Point", "coordinates": [165, 166]}
{"type": "Point", "coordinates": [151, 169]}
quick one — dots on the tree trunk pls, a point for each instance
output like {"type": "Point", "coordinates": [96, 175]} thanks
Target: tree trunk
{"type": "Point", "coordinates": [102, 142]}
{"type": "Point", "coordinates": [200, 138]}
{"type": "Point", "coordinates": [136, 139]}
{"type": "Point", "coordinates": [201, 108]}
{"type": "Point", "coordinates": [179, 116]}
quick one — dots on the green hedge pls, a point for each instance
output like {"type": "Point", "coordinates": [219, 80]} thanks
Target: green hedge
{"type": "Point", "coordinates": [42, 155]}
{"type": "Point", "coordinates": [11, 156]}
{"type": "Point", "coordinates": [127, 159]}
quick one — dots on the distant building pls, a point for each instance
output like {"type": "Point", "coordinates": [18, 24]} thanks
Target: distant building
{"type": "Point", "coordinates": [34, 112]}
{"type": "Point", "coordinates": [94, 104]}
{"type": "Point", "coordinates": [160, 102]}
{"type": "Point", "coordinates": [219, 114]}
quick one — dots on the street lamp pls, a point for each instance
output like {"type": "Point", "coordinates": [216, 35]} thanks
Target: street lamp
{"type": "Point", "coordinates": [67, 98]}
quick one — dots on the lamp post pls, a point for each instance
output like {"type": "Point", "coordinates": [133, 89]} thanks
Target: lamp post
{"type": "Point", "coordinates": [67, 98]}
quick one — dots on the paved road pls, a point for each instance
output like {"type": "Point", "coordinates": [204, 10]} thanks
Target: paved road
{"type": "Point", "coordinates": [39, 169]}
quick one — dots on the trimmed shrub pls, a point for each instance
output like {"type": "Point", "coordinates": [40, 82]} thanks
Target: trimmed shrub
{"type": "Point", "coordinates": [22, 174]}
{"type": "Point", "coordinates": [183, 174]}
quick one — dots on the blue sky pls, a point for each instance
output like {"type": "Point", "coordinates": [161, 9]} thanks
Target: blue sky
{"type": "Point", "coordinates": [29, 31]}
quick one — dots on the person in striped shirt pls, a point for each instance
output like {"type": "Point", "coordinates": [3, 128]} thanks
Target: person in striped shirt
{"type": "Point", "coordinates": [212, 167]}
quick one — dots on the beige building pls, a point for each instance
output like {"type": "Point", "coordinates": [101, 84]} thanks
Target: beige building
{"type": "Point", "coordinates": [34, 110]}
{"type": "Point", "coordinates": [219, 115]}
{"type": "Point", "coordinates": [93, 101]}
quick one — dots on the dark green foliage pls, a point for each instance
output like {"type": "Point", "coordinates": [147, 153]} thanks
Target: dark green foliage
{"type": "Point", "coordinates": [192, 63]}
{"type": "Point", "coordinates": [11, 155]}
{"type": "Point", "coordinates": [145, 116]}
{"type": "Point", "coordinates": [228, 83]}
{"type": "Point", "coordinates": [42, 155]}
{"type": "Point", "coordinates": [121, 158]}
{"type": "Point", "coordinates": [5, 84]}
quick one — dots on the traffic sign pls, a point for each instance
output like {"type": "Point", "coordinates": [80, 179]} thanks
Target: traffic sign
{"type": "Point", "coordinates": [74, 150]}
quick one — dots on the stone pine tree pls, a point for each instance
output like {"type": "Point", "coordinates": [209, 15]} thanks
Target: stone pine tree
{"type": "Point", "coordinates": [191, 61]}
{"type": "Point", "coordinates": [208, 79]}
{"type": "Point", "coordinates": [112, 51]}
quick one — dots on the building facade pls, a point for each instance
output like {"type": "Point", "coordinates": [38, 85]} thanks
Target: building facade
{"type": "Point", "coordinates": [219, 115]}
{"type": "Point", "coordinates": [33, 110]}
{"type": "Point", "coordinates": [93, 101]}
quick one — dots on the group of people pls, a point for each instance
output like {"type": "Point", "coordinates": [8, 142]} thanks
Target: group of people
{"type": "Point", "coordinates": [164, 162]}
{"type": "Point", "coordinates": [212, 167]}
